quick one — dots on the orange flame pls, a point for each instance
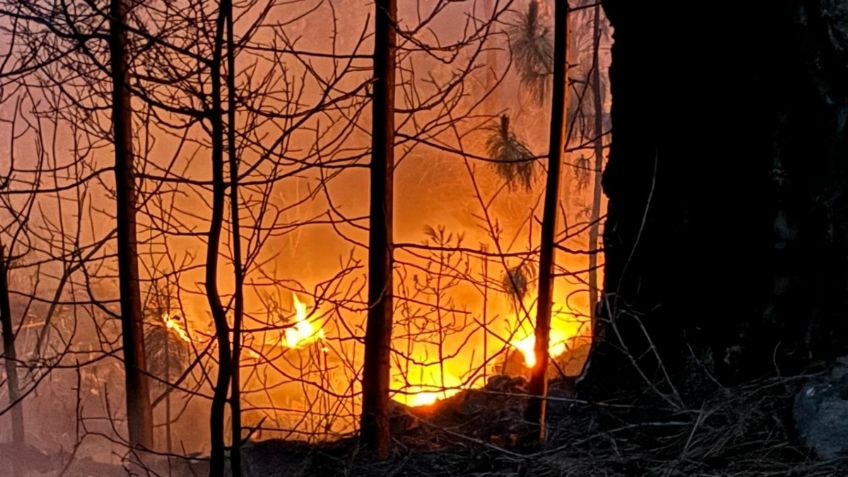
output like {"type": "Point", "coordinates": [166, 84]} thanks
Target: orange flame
{"type": "Point", "coordinates": [424, 384]}
{"type": "Point", "coordinates": [527, 346]}
{"type": "Point", "coordinates": [172, 324]}
{"type": "Point", "coordinates": [418, 398]}
{"type": "Point", "coordinates": [564, 327]}
{"type": "Point", "coordinates": [302, 332]}
{"type": "Point", "coordinates": [429, 385]}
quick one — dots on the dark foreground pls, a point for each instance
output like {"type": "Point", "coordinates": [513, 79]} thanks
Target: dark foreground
{"type": "Point", "coordinates": [744, 430]}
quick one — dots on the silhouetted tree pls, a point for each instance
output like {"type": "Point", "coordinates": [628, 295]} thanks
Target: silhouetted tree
{"type": "Point", "coordinates": [598, 102]}
{"type": "Point", "coordinates": [374, 425]}
{"type": "Point", "coordinates": [235, 243]}
{"type": "Point", "coordinates": [216, 222]}
{"type": "Point", "coordinates": [538, 386]}
{"type": "Point", "coordinates": [139, 414]}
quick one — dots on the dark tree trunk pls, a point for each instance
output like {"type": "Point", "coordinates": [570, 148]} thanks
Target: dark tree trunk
{"type": "Point", "coordinates": [238, 299]}
{"type": "Point", "coordinates": [597, 96]}
{"type": "Point", "coordinates": [213, 296]}
{"type": "Point", "coordinates": [10, 357]}
{"type": "Point", "coordinates": [538, 386]}
{"type": "Point", "coordinates": [374, 427]}
{"type": "Point", "coordinates": [727, 233]}
{"type": "Point", "coordinates": [139, 412]}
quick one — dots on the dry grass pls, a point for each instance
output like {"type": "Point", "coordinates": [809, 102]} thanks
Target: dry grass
{"type": "Point", "coordinates": [740, 431]}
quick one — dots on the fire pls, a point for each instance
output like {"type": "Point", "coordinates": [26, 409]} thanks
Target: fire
{"type": "Point", "coordinates": [302, 332]}
{"type": "Point", "coordinates": [527, 346]}
{"type": "Point", "coordinates": [424, 385]}
{"type": "Point", "coordinates": [173, 324]}
{"type": "Point", "coordinates": [565, 326]}
{"type": "Point", "coordinates": [418, 397]}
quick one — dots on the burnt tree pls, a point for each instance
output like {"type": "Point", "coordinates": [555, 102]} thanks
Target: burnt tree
{"type": "Point", "coordinates": [216, 223]}
{"type": "Point", "coordinates": [538, 386]}
{"type": "Point", "coordinates": [598, 108]}
{"type": "Point", "coordinates": [374, 426]}
{"type": "Point", "coordinates": [139, 413]}
{"type": "Point", "coordinates": [235, 226]}
{"type": "Point", "coordinates": [727, 233]}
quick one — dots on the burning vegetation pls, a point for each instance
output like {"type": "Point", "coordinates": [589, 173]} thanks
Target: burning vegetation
{"type": "Point", "coordinates": [241, 274]}
{"type": "Point", "coordinates": [249, 156]}
{"type": "Point", "coordinates": [336, 233]}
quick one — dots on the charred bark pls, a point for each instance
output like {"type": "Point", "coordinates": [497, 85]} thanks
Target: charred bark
{"type": "Point", "coordinates": [538, 386]}
{"type": "Point", "coordinates": [235, 225]}
{"type": "Point", "coordinates": [139, 412]}
{"type": "Point", "coordinates": [374, 426]}
{"type": "Point", "coordinates": [213, 295]}
{"type": "Point", "coordinates": [598, 102]}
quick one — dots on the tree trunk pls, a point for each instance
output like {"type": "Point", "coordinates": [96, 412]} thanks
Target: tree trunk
{"type": "Point", "coordinates": [599, 164]}
{"type": "Point", "coordinates": [723, 188]}
{"type": "Point", "coordinates": [374, 426]}
{"type": "Point", "coordinates": [10, 360]}
{"type": "Point", "coordinates": [238, 310]}
{"type": "Point", "coordinates": [168, 438]}
{"type": "Point", "coordinates": [139, 412]}
{"type": "Point", "coordinates": [219, 315]}
{"type": "Point", "coordinates": [538, 386]}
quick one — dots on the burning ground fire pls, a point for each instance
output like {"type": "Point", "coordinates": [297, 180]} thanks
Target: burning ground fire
{"type": "Point", "coordinates": [299, 334]}
{"type": "Point", "coordinates": [423, 382]}
{"type": "Point", "coordinates": [527, 346]}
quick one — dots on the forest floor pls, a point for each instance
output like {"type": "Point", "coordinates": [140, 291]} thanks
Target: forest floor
{"type": "Point", "coordinates": [744, 430]}
{"type": "Point", "coordinates": [741, 431]}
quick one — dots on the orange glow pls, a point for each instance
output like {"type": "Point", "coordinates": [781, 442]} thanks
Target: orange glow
{"type": "Point", "coordinates": [565, 327]}
{"type": "Point", "coordinates": [424, 385]}
{"type": "Point", "coordinates": [421, 385]}
{"type": "Point", "coordinates": [426, 398]}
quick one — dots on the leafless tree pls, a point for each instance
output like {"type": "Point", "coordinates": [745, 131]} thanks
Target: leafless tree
{"type": "Point", "coordinates": [559, 107]}
{"type": "Point", "coordinates": [139, 413]}
{"type": "Point", "coordinates": [378, 334]}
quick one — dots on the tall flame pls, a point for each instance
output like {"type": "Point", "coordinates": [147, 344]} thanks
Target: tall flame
{"type": "Point", "coordinates": [302, 332]}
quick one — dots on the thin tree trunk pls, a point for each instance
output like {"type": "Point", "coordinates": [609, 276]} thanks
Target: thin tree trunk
{"type": "Point", "coordinates": [168, 441]}
{"type": "Point", "coordinates": [238, 312]}
{"type": "Point", "coordinates": [219, 315]}
{"type": "Point", "coordinates": [599, 164]}
{"type": "Point", "coordinates": [139, 413]}
{"type": "Point", "coordinates": [374, 426]}
{"type": "Point", "coordinates": [10, 360]}
{"type": "Point", "coordinates": [538, 386]}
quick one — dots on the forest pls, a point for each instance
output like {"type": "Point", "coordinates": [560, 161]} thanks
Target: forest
{"type": "Point", "coordinates": [423, 238]}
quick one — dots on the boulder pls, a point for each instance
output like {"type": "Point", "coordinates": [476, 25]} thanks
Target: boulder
{"type": "Point", "coordinates": [821, 412]}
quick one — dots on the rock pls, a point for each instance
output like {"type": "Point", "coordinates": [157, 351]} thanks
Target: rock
{"type": "Point", "coordinates": [821, 412]}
